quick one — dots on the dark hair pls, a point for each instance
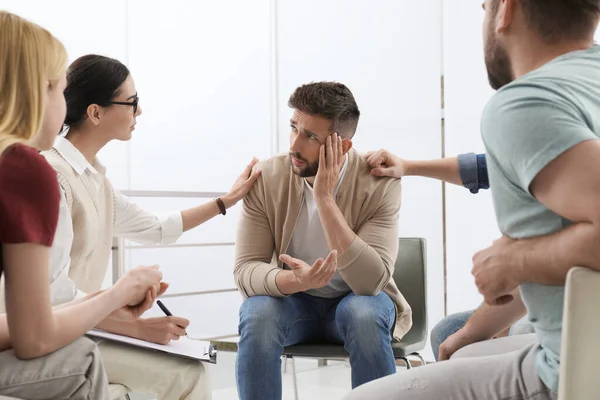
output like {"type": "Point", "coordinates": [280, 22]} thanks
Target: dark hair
{"type": "Point", "coordinates": [555, 20]}
{"type": "Point", "coordinates": [330, 100]}
{"type": "Point", "coordinates": [92, 79]}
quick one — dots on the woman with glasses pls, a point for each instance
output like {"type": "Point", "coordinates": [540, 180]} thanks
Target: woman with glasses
{"type": "Point", "coordinates": [43, 354]}
{"type": "Point", "coordinates": [102, 105]}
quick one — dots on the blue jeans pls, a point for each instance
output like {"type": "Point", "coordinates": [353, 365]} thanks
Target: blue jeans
{"type": "Point", "coordinates": [454, 322]}
{"type": "Point", "coordinates": [447, 327]}
{"type": "Point", "coordinates": [363, 324]}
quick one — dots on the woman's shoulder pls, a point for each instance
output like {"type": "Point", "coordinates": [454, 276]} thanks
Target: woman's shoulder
{"type": "Point", "coordinates": [22, 165]}
{"type": "Point", "coordinates": [29, 197]}
{"type": "Point", "coordinates": [25, 159]}
{"type": "Point", "coordinates": [20, 152]}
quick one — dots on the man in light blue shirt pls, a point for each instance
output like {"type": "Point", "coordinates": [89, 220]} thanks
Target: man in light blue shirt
{"type": "Point", "coordinates": [541, 132]}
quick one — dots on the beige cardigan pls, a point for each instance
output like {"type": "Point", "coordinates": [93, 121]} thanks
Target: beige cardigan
{"type": "Point", "coordinates": [370, 206]}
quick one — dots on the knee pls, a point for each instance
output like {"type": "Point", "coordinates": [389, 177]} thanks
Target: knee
{"type": "Point", "coordinates": [260, 319]}
{"type": "Point", "coordinates": [185, 379]}
{"type": "Point", "coordinates": [84, 353]}
{"type": "Point", "coordinates": [260, 311]}
{"type": "Point", "coordinates": [87, 349]}
{"type": "Point", "coordinates": [439, 333]}
{"type": "Point", "coordinates": [83, 345]}
{"type": "Point", "coordinates": [365, 315]}
{"type": "Point", "coordinates": [448, 326]}
{"type": "Point", "coordinates": [197, 374]}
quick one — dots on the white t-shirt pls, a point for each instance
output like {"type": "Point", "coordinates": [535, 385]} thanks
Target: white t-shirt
{"type": "Point", "coordinates": [308, 242]}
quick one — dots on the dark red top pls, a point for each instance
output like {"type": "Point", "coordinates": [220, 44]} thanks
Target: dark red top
{"type": "Point", "coordinates": [29, 198]}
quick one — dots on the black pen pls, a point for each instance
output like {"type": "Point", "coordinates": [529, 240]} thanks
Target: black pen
{"type": "Point", "coordinates": [167, 312]}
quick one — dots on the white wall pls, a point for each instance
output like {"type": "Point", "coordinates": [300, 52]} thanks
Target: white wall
{"type": "Point", "coordinates": [202, 72]}
{"type": "Point", "coordinates": [470, 221]}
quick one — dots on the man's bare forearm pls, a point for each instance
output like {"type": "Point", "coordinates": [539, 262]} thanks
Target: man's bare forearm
{"type": "Point", "coordinates": [487, 321]}
{"type": "Point", "coordinates": [444, 169]}
{"type": "Point", "coordinates": [547, 259]}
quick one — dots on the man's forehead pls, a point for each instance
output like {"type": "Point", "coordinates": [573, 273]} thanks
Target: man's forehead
{"type": "Point", "coordinates": [310, 122]}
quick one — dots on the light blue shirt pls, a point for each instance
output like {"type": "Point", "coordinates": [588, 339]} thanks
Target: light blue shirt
{"type": "Point", "coordinates": [525, 125]}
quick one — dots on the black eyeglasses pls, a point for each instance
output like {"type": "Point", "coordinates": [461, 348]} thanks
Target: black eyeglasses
{"type": "Point", "coordinates": [133, 103]}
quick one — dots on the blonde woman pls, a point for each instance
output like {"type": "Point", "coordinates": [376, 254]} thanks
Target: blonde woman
{"type": "Point", "coordinates": [43, 354]}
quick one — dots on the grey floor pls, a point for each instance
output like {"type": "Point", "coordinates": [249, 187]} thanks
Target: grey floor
{"type": "Point", "coordinates": [330, 382]}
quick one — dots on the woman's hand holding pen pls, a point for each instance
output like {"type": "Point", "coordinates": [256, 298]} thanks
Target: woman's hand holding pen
{"type": "Point", "coordinates": [161, 330]}
{"type": "Point", "coordinates": [141, 287]}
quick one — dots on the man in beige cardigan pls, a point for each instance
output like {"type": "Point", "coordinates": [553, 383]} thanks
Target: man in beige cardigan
{"type": "Point", "coordinates": [333, 228]}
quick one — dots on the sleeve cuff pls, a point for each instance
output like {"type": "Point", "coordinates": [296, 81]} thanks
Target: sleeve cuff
{"type": "Point", "coordinates": [171, 225]}
{"type": "Point", "coordinates": [467, 168]}
{"type": "Point", "coordinates": [482, 174]}
{"type": "Point", "coordinates": [545, 156]}
{"type": "Point", "coordinates": [271, 283]}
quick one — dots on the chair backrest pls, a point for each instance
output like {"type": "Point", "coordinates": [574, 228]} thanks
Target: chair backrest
{"type": "Point", "coordinates": [580, 349]}
{"type": "Point", "coordinates": [410, 275]}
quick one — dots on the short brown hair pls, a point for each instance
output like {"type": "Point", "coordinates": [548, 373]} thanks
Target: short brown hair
{"type": "Point", "coordinates": [330, 100]}
{"type": "Point", "coordinates": [555, 20]}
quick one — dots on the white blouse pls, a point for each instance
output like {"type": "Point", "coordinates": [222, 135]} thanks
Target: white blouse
{"type": "Point", "coordinates": [131, 222]}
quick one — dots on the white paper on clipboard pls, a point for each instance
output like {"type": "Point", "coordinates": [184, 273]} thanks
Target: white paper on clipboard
{"type": "Point", "coordinates": [184, 347]}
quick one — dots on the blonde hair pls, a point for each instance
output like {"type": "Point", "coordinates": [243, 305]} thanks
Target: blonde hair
{"type": "Point", "coordinates": [31, 62]}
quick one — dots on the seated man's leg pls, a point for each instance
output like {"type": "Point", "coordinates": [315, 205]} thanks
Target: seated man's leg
{"type": "Point", "coordinates": [447, 327]}
{"type": "Point", "coordinates": [163, 376]}
{"type": "Point", "coordinates": [365, 325]}
{"type": "Point", "coordinates": [500, 346]}
{"type": "Point", "coordinates": [510, 375]}
{"type": "Point", "coordinates": [74, 372]}
{"type": "Point", "coordinates": [267, 324]}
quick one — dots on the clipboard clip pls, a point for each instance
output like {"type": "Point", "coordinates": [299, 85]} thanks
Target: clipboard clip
{"type": "Point", "coordinates": [211, 351]}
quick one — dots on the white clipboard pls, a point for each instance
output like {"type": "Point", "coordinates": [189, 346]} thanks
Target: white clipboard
{"type": "Point", "coordinates": [184, 347]}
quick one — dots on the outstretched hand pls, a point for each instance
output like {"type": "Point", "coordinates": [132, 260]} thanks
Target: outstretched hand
{"type": "Point", "coordinates": [315, 276]}
{"type": "Point", "coordinates": [242, 185]}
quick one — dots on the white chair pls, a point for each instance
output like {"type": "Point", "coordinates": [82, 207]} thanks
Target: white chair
{"type": "Point", "coordinates": [580, 345]}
